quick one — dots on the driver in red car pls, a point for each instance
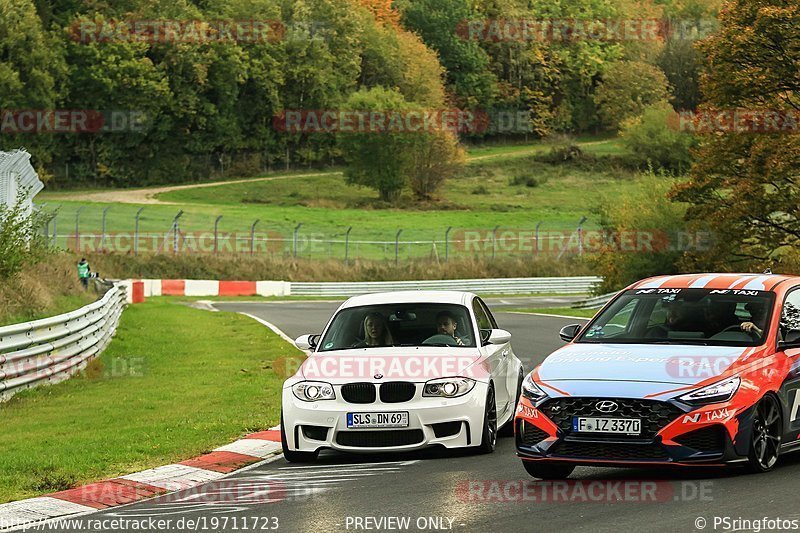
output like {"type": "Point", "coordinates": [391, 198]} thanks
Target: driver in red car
{"type": "Point", "coordinates": [758, 319]}
{"type": "Point", "coordinates": [720, 316]}
{"type": "Point", "coordinates": [446, 324]}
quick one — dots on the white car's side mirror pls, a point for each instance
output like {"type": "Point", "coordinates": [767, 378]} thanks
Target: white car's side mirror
{"type": "Point", "coordinates": [306, 342]}
{"type": "Point", "coordinates": [499, 336]}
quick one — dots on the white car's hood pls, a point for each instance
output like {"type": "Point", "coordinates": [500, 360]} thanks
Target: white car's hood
{"type": "Point", "coordinates": [379, 365]}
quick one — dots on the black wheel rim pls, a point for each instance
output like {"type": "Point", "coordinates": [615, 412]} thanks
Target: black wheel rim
{"type": "Point", "coordinates": [491, 419]}
{"type": "Point", "coordinates": [767, 433]}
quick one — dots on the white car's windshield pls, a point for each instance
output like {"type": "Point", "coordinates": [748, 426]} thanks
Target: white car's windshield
{"type": "Point", "coordinates": [415, 324]}
{"type": "Point", "coordinates": [684, 316]}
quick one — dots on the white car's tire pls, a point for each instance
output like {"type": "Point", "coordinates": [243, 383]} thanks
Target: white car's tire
{"type": "Point", "coordinates": [294, 456]}
{"type": "Point", "coordinates": [489, 433]}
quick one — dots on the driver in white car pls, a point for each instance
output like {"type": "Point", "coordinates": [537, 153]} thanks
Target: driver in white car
{"type": "Point", "coordinates": [446, 324]}
{"type": "Point", "coordinates": [375, 332]}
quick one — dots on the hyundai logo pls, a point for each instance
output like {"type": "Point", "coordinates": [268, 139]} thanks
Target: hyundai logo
{"type": "Point", "coordinates": [606, 406]}
{"type": "Point", "coordinates": [378, 376]}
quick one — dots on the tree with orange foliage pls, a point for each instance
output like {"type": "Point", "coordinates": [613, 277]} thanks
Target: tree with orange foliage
{"type": "Point", "coordinates": [383, 11]}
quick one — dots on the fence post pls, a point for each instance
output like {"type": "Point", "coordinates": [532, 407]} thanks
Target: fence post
{"type": "Point", "coordinates": [536, 233]}
{"type": "Point", "coordinates": [103, 236]}
{"type": "Point", "coordinates": [216, 234]}
{"type": "Point", "coordinates": [580, 235]}
{"type": "Point", "coordinates": [46, 224]}
{"type": "Point", "coordinates": [175, 230]}
{"type": "Point", "coordinates": [55, 229]}
{"type": "Point", "coordinates": [136, 231]}
{"type": "Point", "coordinates": [294, 239]}
{"type": "Point", "coordinates": [347, 245]}
{"type": "Point", "coordinates": [447, 243]}
{"type": "Point", "coordinates": [494, 240]}
{"type": "Point", "coordinates": [78, 228]}
{"type": "Point", "coordinates": [253, 236]}
{"type": "Point", "coordinates": [397, 247]}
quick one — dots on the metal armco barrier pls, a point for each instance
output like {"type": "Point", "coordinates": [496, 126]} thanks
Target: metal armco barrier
{"type": "Point", "coordinates": [570, 285]}
{"type": "Point", "coordinates": [50, 350]}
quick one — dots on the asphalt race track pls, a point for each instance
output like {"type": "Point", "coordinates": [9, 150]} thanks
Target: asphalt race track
{"type": "Point", "coordinates": [446, 491]}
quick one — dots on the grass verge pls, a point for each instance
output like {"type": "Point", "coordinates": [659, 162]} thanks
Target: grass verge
{"type": "Point", "coordinates": [45, 289]}
{"type": "Point", "coordinates": [175, 382]}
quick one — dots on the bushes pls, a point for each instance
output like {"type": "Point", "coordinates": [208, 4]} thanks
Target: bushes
{"type": "Point", "coordinates": [244, 267]}
{"type": "Point", "coordinates": [20, 242]}
{"type": "Point", "coordinates": [43, 289]}
{"type": "Point", "coordinates": [35, 282]}
{"type": "Point", "coordinates": [652, 140]}
{"type": "Point", "coordinates": [645, 234]}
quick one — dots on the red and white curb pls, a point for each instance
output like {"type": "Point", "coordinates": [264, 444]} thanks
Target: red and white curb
{"type": "Point", "coordinates": [207, 287]}
{"type": "Point", "coordinates": [258, 447]}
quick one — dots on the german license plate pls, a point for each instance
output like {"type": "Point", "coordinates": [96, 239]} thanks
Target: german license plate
{"type": "Point", "coordinates": [620, 426]}
{"type": "Point", "coordinates": [377, 420]}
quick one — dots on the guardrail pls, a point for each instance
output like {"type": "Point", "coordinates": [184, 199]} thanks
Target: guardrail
{"type": "Point", "coordinates": [567, 285]}
{"type": "Point", "coordinates": [594, 303]}
{"type": "Point", "coordinates": [52, 349]}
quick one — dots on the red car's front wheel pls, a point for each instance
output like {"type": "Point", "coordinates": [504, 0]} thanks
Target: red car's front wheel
{"type": "Point", "coordinates": [765, 439]}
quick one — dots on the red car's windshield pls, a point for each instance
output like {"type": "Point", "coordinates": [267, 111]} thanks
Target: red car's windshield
{"type": "Point", "coordinates": [684, 316]}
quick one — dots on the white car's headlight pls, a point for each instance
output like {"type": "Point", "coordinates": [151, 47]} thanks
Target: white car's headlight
{"type": "Point", "coordinates": [311, 391]}
{"type": "Point", "coordinates": [721, 391]}
{"type": "Point", "coordinates": [531, 390]}
{"type": "Point", "coordinates": [448, 387]}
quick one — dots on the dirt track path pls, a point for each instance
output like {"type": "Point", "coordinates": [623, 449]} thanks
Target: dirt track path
{"type": "Point", "coordinates": [148, 195]}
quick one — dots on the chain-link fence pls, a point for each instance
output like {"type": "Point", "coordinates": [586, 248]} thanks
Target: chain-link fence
{"type": "Point", "coordinates": [92, 230]}
{"type": "Point", "coordinates": [165, 229]}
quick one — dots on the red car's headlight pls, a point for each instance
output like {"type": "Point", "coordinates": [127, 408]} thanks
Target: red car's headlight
{"type": "Point", "coordinates": [721, 391]}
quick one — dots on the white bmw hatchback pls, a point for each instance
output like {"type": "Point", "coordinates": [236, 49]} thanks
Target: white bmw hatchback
{"type": "Point", "coordinates": [402, 371]}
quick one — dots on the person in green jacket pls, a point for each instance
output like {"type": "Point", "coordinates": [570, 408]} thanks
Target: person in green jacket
{"type": "Point", "coordinates": [83, 272]}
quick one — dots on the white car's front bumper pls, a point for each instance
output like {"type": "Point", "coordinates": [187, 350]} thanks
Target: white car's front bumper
{"type": "Point", "coordinates": [423, 414]}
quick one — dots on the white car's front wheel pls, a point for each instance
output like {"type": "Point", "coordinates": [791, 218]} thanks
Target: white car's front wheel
{"type": "Point", "coordinates": [489, 436]}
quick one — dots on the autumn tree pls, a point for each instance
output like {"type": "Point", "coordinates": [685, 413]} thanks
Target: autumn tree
{"type": "Point", "coordinates": [32, 68]}
{"type": "Point", "coordinates": [628, 87]}
{"type": "Point", "coordinates": [378, 160]}
{"type": "Point", "coordinates": [745, 186]}
{"type": "Point", "coordinates": [435, 158]}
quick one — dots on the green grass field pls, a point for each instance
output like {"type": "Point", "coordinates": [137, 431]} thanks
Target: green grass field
{"type": "Point", "coordinates": [512, 193]}
{"type": "Point", "coordinates": [172, 385]}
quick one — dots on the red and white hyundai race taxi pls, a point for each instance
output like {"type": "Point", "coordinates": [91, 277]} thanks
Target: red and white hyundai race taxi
{"type": "Point", "coordinates": [401, 371]}
{"type": "Point", "coordinates": [676, 370]}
